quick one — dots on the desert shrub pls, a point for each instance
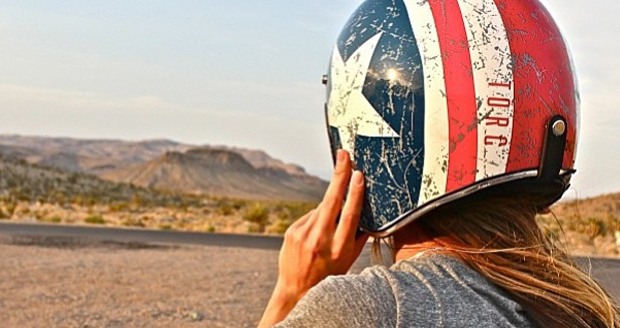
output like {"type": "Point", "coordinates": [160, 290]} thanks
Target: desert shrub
{"type": "Point", "coordinates": [279, 227]}
{"type": "Point", "coordinates": [118, 207]}
{"type": "Point", "coordinates": [254, 228]}
{"type": "Point", "coordinates": [290, 211]}
{"type": "Point", "coordinates": [73, 178]}
{"type": "Point", "coordinates": [283, 215]}
{"type": "Point", "coordinates": [612, 222]}
{"type": "Point", "coordinates": [3, 215]}
{"type": "Point", "coordinates": [225, 209]}
{"type": "Point", "coordinates": [82, 200]}
{"type": "Point", "coordinates": [95, 219]}
{"type": "Point", "coordinates": [165, 227]}
{"type": "Point", "coordinates": [210, 229]}
{"type": "Point", "coordinates": [60, 198]}
{"type": "Point", "coordinates": [137, 200]}
{"type": "Point", "coordinates": [595, 228]}
{"type": "Point", "coordinates": [238, 204]}
{"type": "Point", "coordinates": [55, 219]}
{"type": "Point", "coordinates": [10, 208]}
{"type": "Point", "coordinates": [257, 214]}
{"type": "Point", "coordinates": [299, 209]}
{"type": "Point", "coordinates": [133, 222]}
{"type": "Point", "coordinates": [22, 196]}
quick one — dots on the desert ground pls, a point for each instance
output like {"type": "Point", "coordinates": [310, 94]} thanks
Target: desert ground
{"type": "Point", "coordinates": [58, 282]}
{"type": "Point", "coordinates": [68, 282]}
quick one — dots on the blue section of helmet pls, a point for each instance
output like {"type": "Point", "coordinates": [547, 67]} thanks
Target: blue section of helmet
{"type": "Point", "coordinates": [394, 86]}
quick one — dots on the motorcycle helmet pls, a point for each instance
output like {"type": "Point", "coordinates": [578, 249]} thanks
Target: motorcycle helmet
{"type": "Point", "coordinates": [439, 100]}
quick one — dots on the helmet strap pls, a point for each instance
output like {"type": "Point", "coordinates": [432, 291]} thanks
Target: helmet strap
{"type": "Point", "coordinates": [553, 149]}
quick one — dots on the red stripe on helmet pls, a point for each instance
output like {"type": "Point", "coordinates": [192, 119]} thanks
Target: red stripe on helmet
{"type": "Point", "coordinates": [544, 82]}
{"type": "Point", "coordinates": [460, 93]}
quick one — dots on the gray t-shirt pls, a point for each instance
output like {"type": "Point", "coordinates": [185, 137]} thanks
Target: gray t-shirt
{"type": "Point", "coordinates": [432, 291]}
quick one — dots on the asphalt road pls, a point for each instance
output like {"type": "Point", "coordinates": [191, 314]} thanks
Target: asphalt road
{"type": "Point", "coordinates": [606, 271]}
{"type": "Point", "coordinates": [123, 235]}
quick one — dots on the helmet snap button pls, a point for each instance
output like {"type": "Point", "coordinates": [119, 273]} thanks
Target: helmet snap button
{"type": "Point", "coordinates": [559, 128]}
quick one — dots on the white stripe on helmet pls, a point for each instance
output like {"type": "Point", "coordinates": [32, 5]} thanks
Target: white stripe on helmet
{"type": "Point", "coordinates": [493, 80]}
{"type": "Point", "coordinates": [436, 128]}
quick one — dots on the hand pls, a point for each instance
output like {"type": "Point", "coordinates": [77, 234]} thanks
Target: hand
{"type": "Point", "coordinates": [321, 243]}
{"type": "Point", "coordinates": [318, 245]}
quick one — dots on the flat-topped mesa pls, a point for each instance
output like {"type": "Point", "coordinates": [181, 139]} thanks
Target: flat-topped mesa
{"type": "Point", "coordinates": [209, 158]}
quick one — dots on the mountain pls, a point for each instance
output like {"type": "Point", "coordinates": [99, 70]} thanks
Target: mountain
{"type": "Point", "coordinates": [87, 156]}
{"type": "Point", "coordinates": [220, 172]}
{"type": "Point", "coordinates": [22, 181]}
{"type": "Point", "coordinates": [169, 165]}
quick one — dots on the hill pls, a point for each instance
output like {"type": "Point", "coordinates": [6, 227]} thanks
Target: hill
{"type": "Point", "coordinates": [21, 181]}
{"type": "Point", "coordinates": [169, 165]}
{"type": "Point", "coordinates": [220, 172]}
{"type": "Point", "coordinates": [588, 226]}
{"type": "Point", "coordinates": [87, 156]}
{"type": "Point", "coordinates": [35, 193]}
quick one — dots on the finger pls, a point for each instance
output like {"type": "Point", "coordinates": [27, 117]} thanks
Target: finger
{"type": "Point", "coordinates": [307, 217]}
{"type": "Point", "coordinates": [350, 217]}
{"type": "Point", "coordinates": [332, 201]}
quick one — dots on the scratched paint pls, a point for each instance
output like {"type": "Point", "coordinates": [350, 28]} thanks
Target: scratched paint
{"type": "Point", "coordinates": [379, 48]}
{"type": "Point", "coordinates": [434, 96]}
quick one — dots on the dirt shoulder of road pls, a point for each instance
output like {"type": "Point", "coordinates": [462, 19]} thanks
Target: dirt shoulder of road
{"type": "Point", "coordinates": [59, 282]}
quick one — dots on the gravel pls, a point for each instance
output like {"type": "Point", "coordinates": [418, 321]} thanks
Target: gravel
{"type": "Point", "coordinates": [57, 282]}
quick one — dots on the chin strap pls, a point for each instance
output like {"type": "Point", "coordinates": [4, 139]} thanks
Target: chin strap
{"type": "Point", "coordinates": [553, 149]}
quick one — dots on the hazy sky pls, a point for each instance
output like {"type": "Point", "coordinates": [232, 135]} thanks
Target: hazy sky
{"type": "Point", "coordinates": [240, 73]}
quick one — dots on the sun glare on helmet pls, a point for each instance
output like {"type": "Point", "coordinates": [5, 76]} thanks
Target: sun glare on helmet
{"type": "Point", "coordinates": [392, 75]}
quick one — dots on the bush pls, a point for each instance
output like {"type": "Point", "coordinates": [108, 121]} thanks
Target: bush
{"type": "Point", "coordinates": [55, 219]}
{"type": "Point", "coordinates": [10, 207]}
{"type": "Point", "coordinates": [595, 228]}
{"type": "Point", "coordinates": [257, 214]}
{"type": "Point", "coordinates": [298, 209]}
{"type": "Point", "coordinates": [95, 219]}
{"type": "Point", "coordinates": [612, 222]}
{"type": "Point", "coordinates": [133, 222]}
{"type": "Point", "coordinates": [225, 209]}
{"type": "Point", "coordinates": [279, 227]}
{"type": "Point", "coordinates": [118, 207]}
{"type": "Point", "coordinates": [238, 204]}
{"type": "Point", "coordinates": [165, 227]}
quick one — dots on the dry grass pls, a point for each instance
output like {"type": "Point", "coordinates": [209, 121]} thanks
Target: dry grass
{"type": "Point", "coordinates": [588, 226]}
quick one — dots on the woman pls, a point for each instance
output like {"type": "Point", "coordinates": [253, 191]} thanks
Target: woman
{"type": "Point", "coordinates": [453, 123]}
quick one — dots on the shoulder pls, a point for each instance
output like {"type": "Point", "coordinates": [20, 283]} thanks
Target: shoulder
{"type": "Point", "coordinates": [377, 297]}
{"type": "Point", "coordinates": [430, 291]}
{"type": "Point", "coordinates": [444, 290]}
{"type": "Point", "coordinates": [364, 300]}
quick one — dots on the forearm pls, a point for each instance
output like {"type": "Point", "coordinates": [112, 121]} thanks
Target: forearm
{"type": "Point", "coordinates": [280, 305]}
{"type": "Point", "coordinates": [320, 244]}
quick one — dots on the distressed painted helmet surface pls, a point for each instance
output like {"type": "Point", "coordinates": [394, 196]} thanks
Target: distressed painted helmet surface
{"type": "Point", "coordinates": [437, 99]}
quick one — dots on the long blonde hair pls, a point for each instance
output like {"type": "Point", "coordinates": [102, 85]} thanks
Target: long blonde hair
{"type": "Point", "coordinates": [499, 238]}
